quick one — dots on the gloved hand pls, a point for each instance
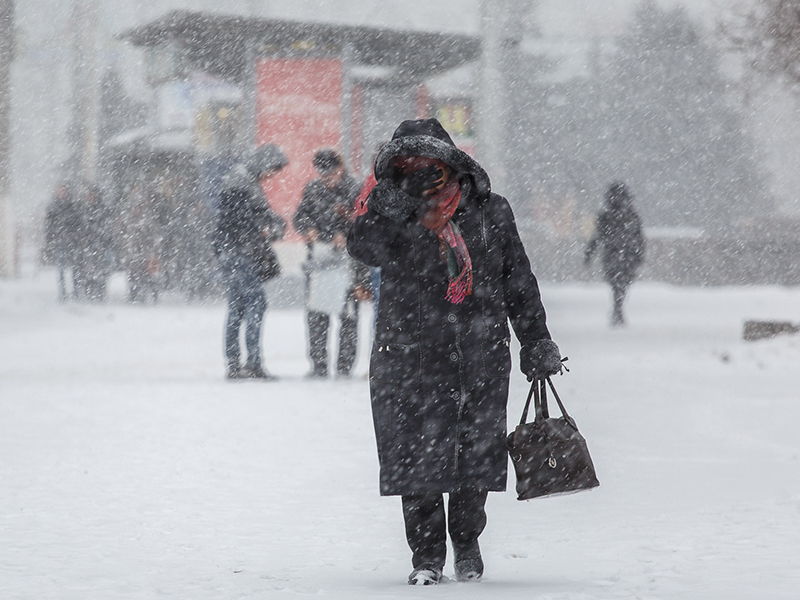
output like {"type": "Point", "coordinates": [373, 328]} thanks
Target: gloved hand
{"type": "Point", "coordinates": [420, 181]}
{"type": "Point", "coordinates": [540, 359]}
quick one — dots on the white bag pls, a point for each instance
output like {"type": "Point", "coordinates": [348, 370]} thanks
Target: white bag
{"type": "Point", "coordinates": [330, 277]}
{"type": "Point", "coordinates": [328, 290]}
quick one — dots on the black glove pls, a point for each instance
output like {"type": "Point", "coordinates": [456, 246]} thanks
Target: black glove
{"type": "Point", "coordinates": [420, 181]}
{"type": "Point", "coordinates": [540, 359]}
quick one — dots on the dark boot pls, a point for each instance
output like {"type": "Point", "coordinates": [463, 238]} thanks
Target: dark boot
{"type": "Point", "coordinates": [256, 371]}
{"type": "Point", "coordinates": [234, 371]}
{"type": "Point", "coordinates": [425, 575]}
{"type": "Point", "coordinates": [468, 562]}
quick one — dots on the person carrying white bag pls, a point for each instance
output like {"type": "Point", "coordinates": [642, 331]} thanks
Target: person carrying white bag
{"type": "Point", "coordinates": [323, 218]}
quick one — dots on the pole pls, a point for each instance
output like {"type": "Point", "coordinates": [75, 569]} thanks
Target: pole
{"type": "Point", "coordinates": [347, 105]}
{"type": "Point", "coordinates": [85, 97]}
{"type": "Point", "coordinates": [7, 229]}
{"type": "Point", "coordinates": [501, 25]}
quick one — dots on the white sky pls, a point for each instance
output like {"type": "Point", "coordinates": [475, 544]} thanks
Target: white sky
{"type": "Point", "coordinates": [558, 17]}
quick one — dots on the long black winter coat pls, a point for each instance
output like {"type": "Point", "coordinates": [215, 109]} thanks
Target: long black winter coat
{"type": "Point", "coordinates": [439, 371]}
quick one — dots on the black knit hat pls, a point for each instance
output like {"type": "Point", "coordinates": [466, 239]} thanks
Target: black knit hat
{"type": "Point", "coordinates": [268, 157]}
{"type": "Point", "coordinates": [327, 161]}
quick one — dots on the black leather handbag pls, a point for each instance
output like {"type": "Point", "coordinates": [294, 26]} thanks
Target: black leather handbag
{"type": "Point", "coordinates": [550, 454]}
{"type": "Point", "coordinates": [267, 265]}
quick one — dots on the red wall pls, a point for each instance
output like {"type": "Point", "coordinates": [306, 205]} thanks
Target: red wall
{"type": "Point", "coordinates": [298, 107]}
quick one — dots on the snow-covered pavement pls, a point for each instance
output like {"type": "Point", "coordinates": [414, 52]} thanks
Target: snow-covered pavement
{"type": "Point", "coordinates": [130, 468]}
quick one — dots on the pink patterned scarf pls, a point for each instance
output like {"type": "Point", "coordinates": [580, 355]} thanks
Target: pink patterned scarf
{"type": "Point", "coordinates": [438, 218]}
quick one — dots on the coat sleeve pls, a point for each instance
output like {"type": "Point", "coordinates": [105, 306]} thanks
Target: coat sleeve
{"type": "Point", "coordinates": [304, 217]}
{"type": "Point", "coordinates": [521, 290]}
{"type": "Point", "coordinates": [374, 239]}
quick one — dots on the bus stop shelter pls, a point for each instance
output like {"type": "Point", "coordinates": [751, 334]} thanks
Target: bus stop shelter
{"type": "Point", "coordinates": [303, 86]}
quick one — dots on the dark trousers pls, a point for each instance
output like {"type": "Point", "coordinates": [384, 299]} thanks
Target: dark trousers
{"type": "Point", "coordinates": [425, 525]}
{"type": "Point", "coordinates": [618, 291]}
{"type": "Point", "coordinates": [247, 303]}
{"type": "Point", "coordinates": [318, 324]}
{"type": "Point", "coordinates": [64, 292]}
{"type": "Point", "coordinates": [89, 284]}
{"type": "Point", "coordinates": [142, 286]}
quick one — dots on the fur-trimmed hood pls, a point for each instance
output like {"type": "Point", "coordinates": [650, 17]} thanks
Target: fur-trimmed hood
{"type": "Point", "coordinates": [427, 137]}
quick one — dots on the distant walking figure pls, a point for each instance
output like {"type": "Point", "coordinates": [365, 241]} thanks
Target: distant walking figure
{"type": "Point", "coordinates": [619, 231]}
{"type": "Point", "coordinates": [62, 227]}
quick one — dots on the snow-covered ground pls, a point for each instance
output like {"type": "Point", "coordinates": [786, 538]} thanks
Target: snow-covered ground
{"type": "Point", "coordinates": [129, 468]}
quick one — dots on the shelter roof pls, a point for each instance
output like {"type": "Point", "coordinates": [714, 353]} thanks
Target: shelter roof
{"type": "Point", "coordinates": [220, 44]}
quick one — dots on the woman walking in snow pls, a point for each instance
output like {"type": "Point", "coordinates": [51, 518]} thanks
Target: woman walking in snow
{"type": "Point", "coordinates": [619, 231]}
{"type": "Point", "coordinates": [453, 271]}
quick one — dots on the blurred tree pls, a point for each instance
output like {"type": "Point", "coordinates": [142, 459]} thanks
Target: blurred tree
{"type": "Point", "coordinates": [653, 109]}
{"type": "Point", "coordinates": [118, 111]}
{"type": "Point", "coordinates": [679, 140]}
{"type": "Point", "coordinates": [768, 33]}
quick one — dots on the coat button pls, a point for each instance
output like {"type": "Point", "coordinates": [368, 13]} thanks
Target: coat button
{"type": "Point", "coordinates": [454, 357]}
{"type": "Point", "coordinates": [451, 318]}
{"type": "Point", "coordinates": [456, 396]}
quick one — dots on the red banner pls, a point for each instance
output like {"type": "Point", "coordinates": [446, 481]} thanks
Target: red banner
{"type": "Point", "coordinates": [298, 107]}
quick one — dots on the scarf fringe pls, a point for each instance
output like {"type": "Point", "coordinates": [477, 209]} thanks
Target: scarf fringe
{"type": "Point", "coordinates": [460, 288]}
{"type": "Point", "coordinates": [454, 249]}
{"type": "Point", "coordinates": [460, 284]}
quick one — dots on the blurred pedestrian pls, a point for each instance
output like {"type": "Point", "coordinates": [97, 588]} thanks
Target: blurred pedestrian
{"type": "Point", "coordinates": [143, 244]}
{"type": "Point", "coordinates": [453, 271]}
{"type": "Point", "coordinates": [198, 279]}
{"type": "Point", "coordinates": [61, 230]}
{"type": "Point", "coordinates": [323, 218]}
{"type": "Point", "coordinates": [618, 230]}
{"type": "Point", "coordinates": [246, 228]}
{"type": "Point", "coordinates": [95, 244]}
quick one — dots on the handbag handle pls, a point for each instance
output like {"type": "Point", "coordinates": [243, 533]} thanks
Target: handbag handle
{"type": "Point", "coordinates": [534, 387]}
{"type": "Point", "coordinates": [538, 391]}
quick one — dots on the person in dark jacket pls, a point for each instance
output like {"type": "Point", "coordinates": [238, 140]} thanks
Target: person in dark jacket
{"type": "Point", "coordinates": [453, 272]}
{"type": "Point", "coordinates": [619, 231]}
{"type": "Point", "coordinates": [323, 219]}
{"type": "Point", "coordinates": [61, 230]}
{"type": "Point", "coordinates": [245, 228]}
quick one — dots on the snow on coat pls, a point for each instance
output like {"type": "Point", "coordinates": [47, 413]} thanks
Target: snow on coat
{"type": "Point", "coordinates": [439, 371]}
